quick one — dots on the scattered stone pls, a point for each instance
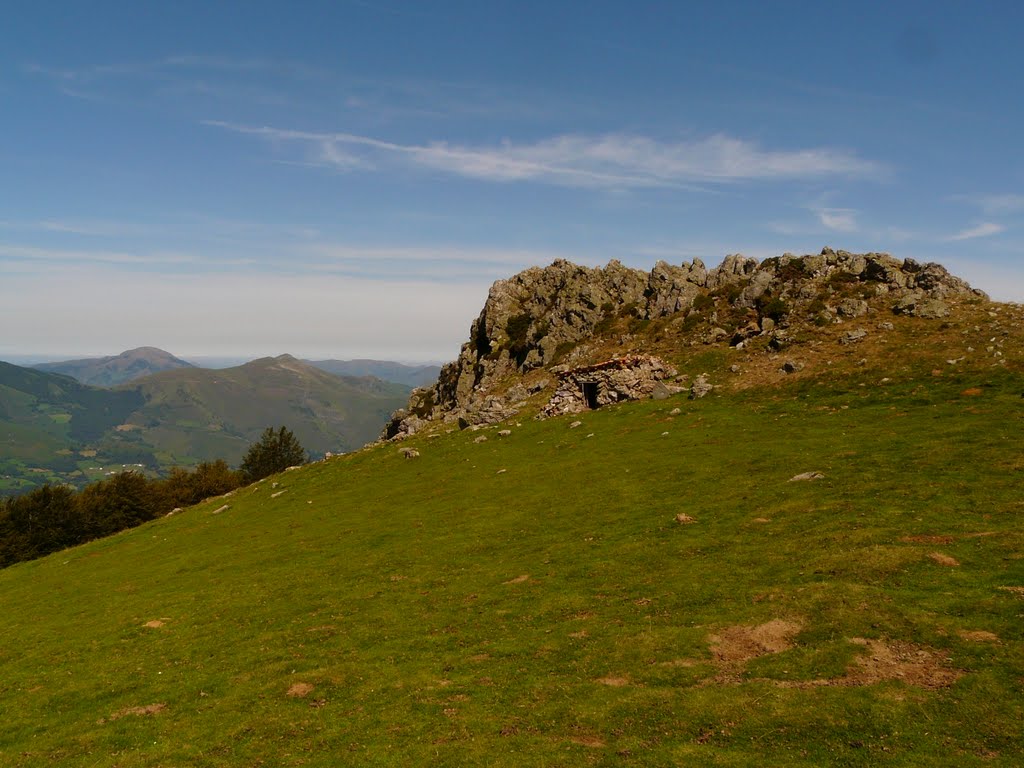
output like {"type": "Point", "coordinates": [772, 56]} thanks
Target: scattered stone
{"type": "Point", "coordinates": [684, 518]}
{"type": "Point", "coordinates": [154, 624]}
{"type": "Point", "coordinates": [218, 510]}
{"type": "Point", "coordinates": [700, 387]}
{"type": "Point", "coordinates": [806, 476]}
{"type": "Point", "coordinates": [409, 453]}
{"type": "Point", "coordinates": [852, 308]}
{"type": "Point", "coordinates": [675, 412]}
{"type": "Point", "coordinates": [504, 432]}
{"type": "Point", "coordinates": [278, 493]}
{"type": "Point", "coordinates": [664, 434]}
{"type": "Point", "coordinates": [886, 326]}
{"type": "Point", "coordinates": [734, 368]}
{"type": "Point", "coordinates": [480, 439]}
{"type": "Point", "coordinates": [852, 337]}
{"type": "Point", "coordinates": [501, 471]}
{"type": "Point", "coordinates": [575, 424]}
{"type": "Point", "coordinates": [792, 366]}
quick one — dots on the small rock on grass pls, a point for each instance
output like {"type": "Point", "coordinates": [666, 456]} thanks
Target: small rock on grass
{"type": "Point", "coordinates": [575, 424]}
{"type": "Point", "coordinates": [684, 518]}
{"type": "Point", "coordinates": [806, 476]}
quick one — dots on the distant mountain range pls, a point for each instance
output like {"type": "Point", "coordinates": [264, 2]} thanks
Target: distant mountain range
{"type": "Point", "coordinates": [409, 375]}
{"type": "Point", "coordinates": [145, 361]}
{"type": "Point", "coordinates": [56, 429]}
{"type": "Point", "coordinates": [117, 369]}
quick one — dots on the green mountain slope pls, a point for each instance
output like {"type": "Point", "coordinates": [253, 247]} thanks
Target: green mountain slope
{"type": "Point", "coordinates": [45, 418]}
{"type": "Point", "coordinates": [117, 369]}
{"type": "Point", "coordinates": [196, 414]}
{"type": "Point", "coordinates": [534, 599]}
{"type": "Point", "coordinates": [54, 429]}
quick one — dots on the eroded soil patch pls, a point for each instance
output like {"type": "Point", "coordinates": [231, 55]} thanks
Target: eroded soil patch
{"type": "Point", "coordinates": [148, 709]}
{"type": "Point", "coordinates": [736, 646]}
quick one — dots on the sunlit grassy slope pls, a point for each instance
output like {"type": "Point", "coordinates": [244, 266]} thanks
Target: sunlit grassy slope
{"type": "Point", "coordinates": [532, 600]}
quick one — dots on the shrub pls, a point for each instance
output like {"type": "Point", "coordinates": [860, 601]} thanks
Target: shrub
{"type": "Point", "coordinates": [772, 306]}
{"type": "Point", "coordinates": [703, 301]}
{"type": "Point", "coordinates": [275, 452]}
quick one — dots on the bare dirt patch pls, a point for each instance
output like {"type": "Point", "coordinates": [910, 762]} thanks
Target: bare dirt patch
{"type": "Point", "coordinates": [1015, 590]}
{"type": "Point", "coordinates": [972, 392]}
{"type": "Point", "coordinates": [154, 624]}
{"type": "Point", "coordinates": [979, 635]}
{"type": "Point", "coordinates": [587, 741]}
{"type": "Point", "coordinates": [927, 539]}
{"type": "Point", "coordinates": [148, 709]}
{"type": "Point", "coordinates": [614, 681]}
{"type": "Point", "coordinates": [737, 645]}
{"type": "Point", "coordinates": [942, 559]}
{"type": "Point", "coordinates": [519, 579]}
{"type": "Point", "coordinates": [888, 660]}
{"type": "Point", "coordinates": [300, 690]}
{"type": "Point", "coordinates": [897, 660]}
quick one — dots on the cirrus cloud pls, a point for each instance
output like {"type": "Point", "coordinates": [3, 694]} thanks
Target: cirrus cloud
{"type": "Point", "coordinates": [578, 160]}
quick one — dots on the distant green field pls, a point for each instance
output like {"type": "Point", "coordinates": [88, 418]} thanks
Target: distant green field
{"type": "Point", "coordinates": [533, 600]}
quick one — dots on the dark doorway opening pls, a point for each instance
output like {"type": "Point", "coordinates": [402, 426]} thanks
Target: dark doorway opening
{"type": "Point", "coordinates": [590, 394]}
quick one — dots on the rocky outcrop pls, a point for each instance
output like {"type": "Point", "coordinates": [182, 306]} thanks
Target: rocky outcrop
{"type": "Point", "coordinates": [541, 317]}
{"type": "Point", "coordinates": [613, 381]}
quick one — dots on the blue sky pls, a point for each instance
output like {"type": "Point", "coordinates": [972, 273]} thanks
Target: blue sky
{"type": "Point", "coordinates": [346, 179]}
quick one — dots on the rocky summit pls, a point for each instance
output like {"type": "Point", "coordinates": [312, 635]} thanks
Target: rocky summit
{"type": "Point", "coordinates": [539, 326]}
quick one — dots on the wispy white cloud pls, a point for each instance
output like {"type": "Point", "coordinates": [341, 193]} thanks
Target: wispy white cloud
{"type": "Point", "coordinates": [29, 253]}
{"type": "Point", "coordinates": [420, 264]}
{"type": "Point", "coordinates": [575, 160]}
{"type": "Point", "coordinates": [985, 229]}
{"type": "Point", "coordinates": [994, 205]}
{"type": "Point", "coordinates": [87, 227]}
{"type": "Point", "coordinates": [838, 219]}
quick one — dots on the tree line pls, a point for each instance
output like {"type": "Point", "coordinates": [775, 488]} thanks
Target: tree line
{"type": "Point", "coordinates": [55, 517]}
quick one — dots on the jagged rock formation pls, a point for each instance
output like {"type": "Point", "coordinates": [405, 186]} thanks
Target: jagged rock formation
{"type": "Point", "coordinates": [537, 319]}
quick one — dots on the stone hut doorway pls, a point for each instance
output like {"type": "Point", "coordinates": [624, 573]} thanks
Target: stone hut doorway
{"type": "Point", "coordinates": [590, 392]}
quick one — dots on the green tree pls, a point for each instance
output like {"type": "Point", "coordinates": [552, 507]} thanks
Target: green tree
{"type": "Point", "coordinates": [276, 451]}
{"type": "Point", "coordinates": [123, 501]}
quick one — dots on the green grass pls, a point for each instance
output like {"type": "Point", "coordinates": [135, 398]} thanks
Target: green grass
{"type": "Point", "coordinates": [395, 588]}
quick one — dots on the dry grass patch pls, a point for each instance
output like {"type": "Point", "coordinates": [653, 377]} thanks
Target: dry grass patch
{"type": "Point", "coordinates": [941, 559]}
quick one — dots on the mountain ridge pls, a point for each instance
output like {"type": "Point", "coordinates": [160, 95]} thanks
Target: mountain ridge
{"type": "Point", "coordinates": [117, 369]}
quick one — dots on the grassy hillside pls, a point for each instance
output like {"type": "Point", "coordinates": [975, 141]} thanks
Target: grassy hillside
{"type": "Point", "coordinates": [532, 599]}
